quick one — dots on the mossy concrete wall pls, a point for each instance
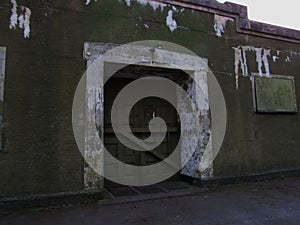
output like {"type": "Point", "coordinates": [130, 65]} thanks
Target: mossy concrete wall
{"type": "Point", "coordinates": [42, 73]}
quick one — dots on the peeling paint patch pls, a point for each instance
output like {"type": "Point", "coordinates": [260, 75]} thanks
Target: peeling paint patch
{"type": "Point", "coordinates": [23, 20]}
{"type": "Point", "coordinates": [220, 24]}
{"type": "Point", "coordinates": [87, 2]}
{"type": "Point", "coordinates": [171, 23]}
{"type": "Point", "coordinates": [2, 82]}
{"type": "Point", "coordinates": [128, 2]}
{"type": "Point", "coordinates": [240, 61]}
{"type": "Point", "coordinates": [200, 164]}
{"type": "Point", "coordinates": [275, 58]}
{"type": "Point", "coordinates": [14, 15]}
{"type": "Point", "coordinates": [265, 60]}
{"type": "Point", "coordinates": [241, 64]}
{"type": "Point", "coordinates": [175, 9]}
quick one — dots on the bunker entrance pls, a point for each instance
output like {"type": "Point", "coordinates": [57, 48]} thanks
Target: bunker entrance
{"type": "Point", "coordinates": [140, 115]}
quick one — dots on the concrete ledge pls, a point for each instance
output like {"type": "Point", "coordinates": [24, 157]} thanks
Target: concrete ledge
{"type": "Point", "coordinates": [269, 175]}
{"type": "Point", "coordinates": [12, 204]}
{"type": "Point", "coordinates": [269, 29]}
{"type": "Point", "coordinates": [228, 7]}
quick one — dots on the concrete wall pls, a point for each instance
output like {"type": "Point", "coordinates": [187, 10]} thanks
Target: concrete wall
{"type": "Point", "coordinates": [42, 72]}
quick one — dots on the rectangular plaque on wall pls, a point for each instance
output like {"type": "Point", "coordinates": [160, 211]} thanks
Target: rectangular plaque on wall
{"type": "Point", "coordinates": [274, 94]}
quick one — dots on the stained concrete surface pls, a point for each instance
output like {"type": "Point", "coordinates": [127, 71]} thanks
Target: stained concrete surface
{"type": "Point", "coordinates": [275, 202]}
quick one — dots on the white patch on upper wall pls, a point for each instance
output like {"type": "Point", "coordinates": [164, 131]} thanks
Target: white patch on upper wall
{"type": "Point", "coordinates": [87, 2]}
{"type": "Point", "coordinates": [23, 20]}
{"type": "Point", "coordinates": [177, 10]}
{"type": "Point", "coordinates": [275, 58]}
{"type": "Point", "coordinates": [171, 23]}
{"type": "Point", "coordinates": [263, 57]}
{"type": "Point", "coordinates": [128, 2]}
{"type": "Point", "coordinates": [14, 15]}
{"type": "Point", "coordinates": [262, 60]}
{"type": "Point", "coordinates": [220, 24]}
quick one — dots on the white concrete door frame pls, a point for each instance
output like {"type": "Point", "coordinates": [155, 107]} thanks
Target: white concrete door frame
{"type": "Point", "coordinates": [151, 57]}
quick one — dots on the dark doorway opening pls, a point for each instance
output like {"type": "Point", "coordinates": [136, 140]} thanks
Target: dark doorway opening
{"type": "Point", "coordinates": [140, 115]}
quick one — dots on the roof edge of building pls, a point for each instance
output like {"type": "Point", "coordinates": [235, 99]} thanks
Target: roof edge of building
{"type": "Point", "coordinates": [241, 12]}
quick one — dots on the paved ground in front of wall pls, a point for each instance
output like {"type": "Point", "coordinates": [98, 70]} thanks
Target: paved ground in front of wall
{"type": "Point", "coordinates": [275, 202]}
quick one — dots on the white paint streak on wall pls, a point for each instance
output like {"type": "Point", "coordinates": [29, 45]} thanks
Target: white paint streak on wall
{"type": "Point", "coordinates": [23, 20]}
{"type": "Point", "coordinates": [262, 60]}
{"type": "Point", "coordinates": [240, 62]}
{"type": "Point", "coordinates": [259, 59]}
{"type": "Point", "coordinates": [265, 59]}
{"type": "Point", "coordinates": [177, 10]}
{"type": "Point", "coordinates": [275, 58]}
{"type": "Point", "coordinates": [171, 23]}
{"type": "Point", "coordinates": [237, 60]}
{"type": "Point", "coordinates": [220, 24]}
{"type": "Point", "coordinates": [236, 81]}
{"type": "Point", "coordinates": [14, 15]}
{"type": "Point", "coordinates": [244, 59]}
{"type": "Point", "coordinates": [87, 2]}
{"type": "Point", "coordinates": [128, 2]}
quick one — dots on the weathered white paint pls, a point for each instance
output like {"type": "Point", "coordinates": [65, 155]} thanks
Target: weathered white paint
{"type": "Point", "coordinates": [175, 9]}
{"type": "Point", "coordinates": [2, 71]}
{"type": "Point", "coordinates": [128, 2]}
{"type": "Point", "coordinates": [2, 82]}
{"type": "Point", "coordinates": [26, 22]}
{"type": "Point", "coordinates": [258, 59]}
{"type": "Point", "coordinates": [189, 124]}
{"type": "Point", "coordinates": [265, 59]}
{"type": "Point", "coordinates": [95, 103]}
{"type": "Point", "coordinates": [220, 24]}
{"type": "Point", "coordinates": [241, 64]}
{"type": "Point", "coordinates": [23, 20]}
{"type": "Point", "coordinates": [171, 23]}
{"type": "Point", "coordinates": [14, 15]}
{"type": "Point", "coordinates": [275, 58]}
{"type": "Point", "coordinates": [87, 2]}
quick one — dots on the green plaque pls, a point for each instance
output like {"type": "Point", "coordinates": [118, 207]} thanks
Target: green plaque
{"type": "Point", "coordinates": [274, 94]}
